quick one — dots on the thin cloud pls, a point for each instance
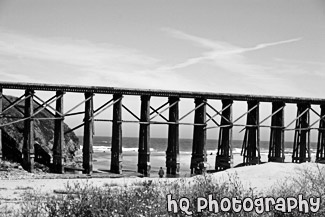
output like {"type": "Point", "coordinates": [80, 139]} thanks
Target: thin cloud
{"type": "Point", "coordinates": [29, 58]}
{"type": "Point", "coordinates": [62, 60]}
{"type": "Point", "coordinates": [220, 52]}
{"type": "Point", "coordinates": [299, 62]}
{"type": "Point", "coordinates": [237, 69]}
{"type": "Point", "coordinates": [78, 61]}
{"type": "Point", "coordinates": [265, 45]}
{"type": "Point", "coordinates": [76, 52]}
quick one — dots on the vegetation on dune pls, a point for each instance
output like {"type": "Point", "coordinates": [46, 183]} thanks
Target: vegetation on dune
{"type": "Point", "coordinates": [149, 198]}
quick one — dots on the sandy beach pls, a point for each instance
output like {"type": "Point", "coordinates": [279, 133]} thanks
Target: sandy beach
{"type": "Point", "coordinates": [158, 159]}
{"type": "Point", "coordinates": [258, 177]}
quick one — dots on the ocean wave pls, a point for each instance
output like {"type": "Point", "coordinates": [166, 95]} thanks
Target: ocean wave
{"type": "Point", "coordinates": [287, 151]}
{"type": "Point", "coordinates": [101, 148]}
{"type": "Point", "coordinates": [236, 150]}
{"type": "Point", "coordinates": [108, 148]}
{"type": "Point", "coordinates": [134, 149]}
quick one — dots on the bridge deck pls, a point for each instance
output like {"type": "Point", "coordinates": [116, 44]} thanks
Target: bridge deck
{"type": "Point", "coordinates": [159, 93]}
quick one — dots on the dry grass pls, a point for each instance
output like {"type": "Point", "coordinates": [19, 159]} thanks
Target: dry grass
{"type": "Point", "coordinates": [149, 198]}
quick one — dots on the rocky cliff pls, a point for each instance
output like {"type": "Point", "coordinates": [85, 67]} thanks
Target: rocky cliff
{"type": "Point", "coordinates": [43, 130]}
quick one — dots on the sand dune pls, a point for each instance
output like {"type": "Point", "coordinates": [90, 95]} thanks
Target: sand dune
{"type": "Point", "coordinates": [259, 177]}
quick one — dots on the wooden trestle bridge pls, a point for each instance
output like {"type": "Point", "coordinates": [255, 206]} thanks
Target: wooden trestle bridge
{"type": "Point", "coordinates": [250, 148]}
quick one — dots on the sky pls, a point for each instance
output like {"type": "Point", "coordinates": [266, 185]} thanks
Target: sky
{"type": "Point", "coordinates": [268, 47]}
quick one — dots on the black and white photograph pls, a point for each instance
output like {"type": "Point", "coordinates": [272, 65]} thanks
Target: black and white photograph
{"type": "Point", "coordinates": [143, 108]}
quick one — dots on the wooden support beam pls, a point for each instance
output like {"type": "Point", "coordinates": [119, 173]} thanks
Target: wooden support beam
{"type": "Point", "coordinates": [157, 110]}
{"type": "Point", "coordinates": [103, 106]}
{"type": "Point", "coordinates": [144, 166]}
{"type": "Point", "coordinates": [199, 155]}
{"type": "Point", "coordinates": [276, 146]}
{"type": "Point", "coordinates": [158, 113]}
{"type": "Point", "coordinates": [116, 151]}
{"type": "Point", "coordinates": [251, 149]}
{"type": "Point", "coordinates": [172, 153]}
{"type": "Point", "coordinates": [1, 122]}
{"type": "Point", "coordinates": [128, 110]}
{"type": "Point", "coordinates": [217, 112]}
{"type": "Point", "coordinates": [76, 106]}
{"type": "Point", "coordinates": [12, 104]}
{"type": "Point", "coordinates": [45, 104]}
{"type": "Point", "coordinates": [320, 154]}
{"type": "Point", "coordinates": [87, 149]}
{"type": "Point", "coordinates": [15, 106]}
{"type": "Point", "coordinates": [58, 145]}
{"type": "Point", "coordinates": [28, 145]}
{"type": "Point", "coordinates": [301, 145]}
{"type": "Point", "coordinates": [224, 158]}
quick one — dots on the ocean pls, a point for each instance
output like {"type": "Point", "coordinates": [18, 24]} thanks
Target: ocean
{"type": "Point", "coordinates": [102, 154]}
{"type": "Point", "coordinates": [103, 143]}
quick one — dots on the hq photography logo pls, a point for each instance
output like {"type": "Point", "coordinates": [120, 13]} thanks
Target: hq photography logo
{"type": "Point", "coordinates": [259, 205]}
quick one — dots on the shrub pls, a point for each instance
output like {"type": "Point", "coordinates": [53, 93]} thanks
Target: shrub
{"type": "Point", "coordinates": [148, 198]}
{"type": "Point", "coordinates": [308, 183]}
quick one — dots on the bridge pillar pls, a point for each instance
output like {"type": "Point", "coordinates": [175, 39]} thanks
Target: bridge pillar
{"type": "Point", "coordinates": [58, 144]}
{"type": "Point", "coordinates": [251, 144]}
{"type": "Point", "coordinates": [276, 147]}
{"type": "Point", "coordinates": [144, 137]}
{"type": "Point", "coordinates": [172, 153]}
{"type": "Point", "coordinates": [224, 155]}
{"type": "Point", "coordinates": [87, 150]}
{"type": "Point", "coordinates": [199, 155]}
{"type": "Point", "coordinates": [28, 145]}
{"type": "Point", "coordinates": [1, 122]}
{"type": "Point", "coordinates": [116, 153]}
{"type": "Point", "coordinates": [320, 154]}
{"type": "Point", "coordinates": [301, 145]}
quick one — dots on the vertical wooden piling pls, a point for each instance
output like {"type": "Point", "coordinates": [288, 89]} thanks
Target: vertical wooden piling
{"type": "Point", "coordinates": [276, 147]}
{"type": "Point", "coordinates": [87, 150]}
{"type": "Point", "coordinates": [1, 122]}
{"type": "Point", "coordinates": [199, 155]}
{"type": "Point", "coordinates": [301, 145]}
{"type": "Point", "coordinates": [28, 145]}
{"type": "Point", "coordinates": [251, 144]}
{"type": "Point", "coordinates": [320, 154]}
{"type": "Point", "coordinates": [224, 158]}
{"type": "Point", "coordinates": [58, 144]}
{"type": "Point", "coordinates": [144, 137]}
{"type": "Point", "coordinates": [301, 151]}
{"type": "Point", "coordinates": [172, 153]}
{"type": "Point", "coordinates": [116, 153]}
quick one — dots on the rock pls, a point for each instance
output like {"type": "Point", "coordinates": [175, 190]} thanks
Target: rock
{"type": "Point", "coordinates": [43, 131]}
